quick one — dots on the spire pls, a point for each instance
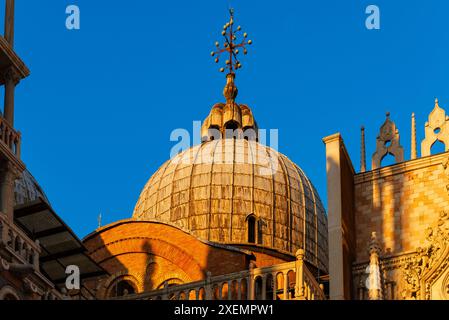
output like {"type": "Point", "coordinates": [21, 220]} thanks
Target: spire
{"type": "Point", "coordinates": [436, 129]}
{"type": "Point", "coordinates": [388, 142]}
{"type": "Point", "coordinates": [413, 144]}
{"type": "Point", "coordinates": [9, 22]}
{"type": "Point", "coordinates": [374, 277]}
{"type": "Point", "coordinates": [231, 47]}
{"type": "Point", "coordinates": [362, 151]}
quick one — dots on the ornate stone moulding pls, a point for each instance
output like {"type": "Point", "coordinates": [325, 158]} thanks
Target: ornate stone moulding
{"type": "Point", "coordinates": [429, 264]}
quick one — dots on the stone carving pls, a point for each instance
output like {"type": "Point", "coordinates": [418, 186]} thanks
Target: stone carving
{"type": "Point", "coordinates": [436, 129]}
{"type": "Point", "coordinates": [374, 282]}
{"type": "Point", "coordinates": [387, 143]}
{"type": "Point", "coordinates": [428, 263]}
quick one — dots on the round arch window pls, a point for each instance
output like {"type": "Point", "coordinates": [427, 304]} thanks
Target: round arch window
{"type": "Point", "coordinates": [122, 288]}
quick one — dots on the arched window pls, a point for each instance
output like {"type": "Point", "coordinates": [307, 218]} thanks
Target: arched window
{"type": "Point", "coordinates": [214, 133]}
{"type": "Point", "coordinates": [122, 288]}
{"type": "Point", "coordinates": [249, 134]}
{"type": "Point", "coordinates": [387, 160]}
{"type": "Point", "coordinates": [170, 283]}
{"type": "Point", "coordinates": [251, 221]}
{"type": "Point", "coordinates": [231, 130]}
{"type": "Point", "coordinates": [438, 147]}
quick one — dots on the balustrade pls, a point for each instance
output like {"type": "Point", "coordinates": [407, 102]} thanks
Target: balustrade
{"type": "Point", "coordinates": [250, 284]}
{"type": "Point", "coordinates": [18, 243]}
{"type": "Point", "coordinates": [9, 137]}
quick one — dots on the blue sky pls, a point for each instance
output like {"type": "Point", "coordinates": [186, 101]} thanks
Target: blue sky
{"type": "Point", "coordinates": [97, 111]}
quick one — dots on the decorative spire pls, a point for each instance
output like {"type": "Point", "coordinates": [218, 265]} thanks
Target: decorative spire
{"type": "Point", "coordinates": [231, 47]}
{"type": "Point", "coordinates": [436, 129]}
{"type": "Point", "coordinates": [413, 144]}
{"type": "Point", "coordinates": [362, 151]}
{"type": "Point", "coordinates": [374, 278]}
{"type": "Point", "coordinates": [388, 142]}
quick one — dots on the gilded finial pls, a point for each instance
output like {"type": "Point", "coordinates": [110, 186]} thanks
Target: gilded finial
{"type": "Point", "coordinates": [388, 114]}
{"type": "Point", "coordinates": [231, 45]}
{"type": "Point", "coordinates": [436, 102]}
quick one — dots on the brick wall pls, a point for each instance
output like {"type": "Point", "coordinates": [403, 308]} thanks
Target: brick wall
{"type": "Point", "coordinates": [399, 202]}
{"type": "Point", "coordinates": [151, 252]}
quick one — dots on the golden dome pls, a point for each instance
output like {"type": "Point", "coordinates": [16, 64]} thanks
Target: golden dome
{"type": "Point", "coordinates": [235, 191]}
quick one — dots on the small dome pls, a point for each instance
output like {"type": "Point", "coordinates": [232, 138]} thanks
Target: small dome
{"type": "Point", "coordinates": [28, 190]}
{"type": "Point", "coordinates": [221, 189]}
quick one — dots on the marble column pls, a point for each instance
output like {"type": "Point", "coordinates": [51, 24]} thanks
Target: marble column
{"type": "Point", "coordinates": [299, 287]}
{"type": "Point", "coordinates": [8, 174]}
{"type": "Point", "coordinates": [9, 22]}
{"type": "Point", "coordinates": [11, 80]}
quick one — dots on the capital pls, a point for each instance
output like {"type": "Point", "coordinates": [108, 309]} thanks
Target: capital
{"type": "Point", "coordinates": [300, 254]}
{"type": "Point", "coordinates": [11, 74]}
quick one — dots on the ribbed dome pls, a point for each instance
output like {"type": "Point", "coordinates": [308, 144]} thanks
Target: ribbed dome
{"type": "Point", "coordinates": [212, 189]}
{"type": "Point", "coordinates": [27, 189]}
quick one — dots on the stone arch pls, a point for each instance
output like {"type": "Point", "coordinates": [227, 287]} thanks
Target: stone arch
{"type": "Point", "coordinates": [114, 279]}
{"type": "Point", "coordinates": [436, 129]}
{"type": "Point", "coordinates": [387, 142]}
{"type": "Point", "coordinates": [171, 278]}
{"type": "Point", "coordinates": [156, 247]}
{"type": "Point", "coordinates": [8, 293]}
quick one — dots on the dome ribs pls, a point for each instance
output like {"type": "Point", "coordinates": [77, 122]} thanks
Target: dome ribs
{"type": "Point", "coordinates": [190, 202]}
{"type": "Point", "coordinates": [289, 203]}
{"type": "Point", "coordinates": [215, 188]}
{"type": "Point", "coordinates": [209, 214]}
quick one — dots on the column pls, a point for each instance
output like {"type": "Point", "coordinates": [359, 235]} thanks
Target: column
{"type": "Point", "coordinates": [36, 257]}
{"type": "Point", "coordinates": [299, 286]}
{"type": "Point", "coordinates": [11, 80]}
{"type": "Point", "coordinates": [8, 175]}
{"type": "Point", "coordinates": [251, 282]}
{"type": "Point", "coordinates": [239, 289]}
{"type": "Point", "coordinates": [285, 285]}
{"type": "Point", "coordinates": [338, 284]}
{"type": "Point", "coordinates": [275, 286]}
{"type": "Point", "coordinates": [197, 294]}
{"type": "Point", "coordinates": [208, 287]}
{"type": "Point", "coordinates": [9, 22]}
{"type": "Point", "coordinates": [264, 287]}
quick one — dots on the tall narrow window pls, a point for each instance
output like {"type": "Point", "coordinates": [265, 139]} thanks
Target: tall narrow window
{"type": "Point", "coordinates": [251, 229]}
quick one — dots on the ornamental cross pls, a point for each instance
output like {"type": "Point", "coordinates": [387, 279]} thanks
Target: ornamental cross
{"type": "Point", "coordinates": [231, 45]}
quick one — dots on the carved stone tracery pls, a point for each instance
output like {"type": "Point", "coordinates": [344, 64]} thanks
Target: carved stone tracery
{"type": "Point", "coordinates": [429, 262]}
{"type": "Point", "coordinates": [388, 142]}
{"type": "Point", "coordinates": [436, 129]}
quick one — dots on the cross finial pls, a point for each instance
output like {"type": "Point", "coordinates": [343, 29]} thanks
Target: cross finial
{"type": "Point", "coordinates": [231, 45]}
